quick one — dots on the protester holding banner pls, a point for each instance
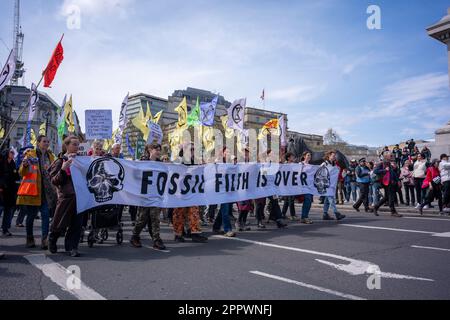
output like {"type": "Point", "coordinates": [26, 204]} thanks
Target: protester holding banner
{"type": "Point", "coordinates": [66, 216]}
{"type": "Point", "coordinates": [307, 198]}
{"type": "Point", "coordinates": [330, 201]}
{"type": "Point", "coordinates": [191, 215]}
{"type": "Point", "coordinates": [289, 201]}
{"type": "Point", "coordinates": [35, 193]}
{"type": "Point", "coordinates": [246, 206]}
{"type": "Point", "coordinates": [149, 215]}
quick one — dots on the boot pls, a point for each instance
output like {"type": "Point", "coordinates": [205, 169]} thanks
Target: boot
{"type": "Point", "coordinates": [196, 237]}
{"type": "Point", "coordinates": [159, 245]}
{"type": "Point", "coordinates": [44, 244]}
{"type": "Point", "coordinates": [52, 240]}
{"type": "Point", "coordinates": [136, 242]}
{"type": "Point", "coordinates": [30, 242]}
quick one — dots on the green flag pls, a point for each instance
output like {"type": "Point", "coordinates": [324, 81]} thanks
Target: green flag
{"type": "Point", "coordinates": [193, 119]}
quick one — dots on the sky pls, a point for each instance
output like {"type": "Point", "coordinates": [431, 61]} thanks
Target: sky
{"type": "Point", "coordinates": [317, 60]}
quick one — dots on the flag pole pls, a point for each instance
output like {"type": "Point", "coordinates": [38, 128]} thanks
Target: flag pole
{"type": "Point", "coordinates": [20, 114]}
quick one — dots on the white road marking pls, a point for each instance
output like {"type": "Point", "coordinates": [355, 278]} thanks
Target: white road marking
{"type": "Point", "coordinates": [59, 275]}
{"type": "Point", "coordinates": [52, 297]}
{"type": "Point", "coordinates": [434, 234]}
{"type": "Point", "coordinates": [431, 248]}
{"type": "Point", "coordinates": [165, 251]}
{"type": "Point", "coordinates": [309, 286]}
{"type": "Point", "coordinates": [355, 267]}
{"type": "Point", "coordinates": [423, 218]}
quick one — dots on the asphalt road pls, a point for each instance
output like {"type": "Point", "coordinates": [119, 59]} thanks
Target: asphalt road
{"type": "Point", "coordinates": [362, 257]}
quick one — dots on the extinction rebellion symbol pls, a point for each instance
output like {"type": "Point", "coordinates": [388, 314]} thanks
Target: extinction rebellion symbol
{"type": "Point", "coordinates": [236, 114]}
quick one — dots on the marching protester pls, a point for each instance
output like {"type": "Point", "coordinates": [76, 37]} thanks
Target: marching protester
{"type": "Point", "coordinates": [340, 189]}
{"type": "Point", "coordinates": [351, 173]}
{"type": "Point", "coordinates": [398, 187]}
{"type": "Point", "coordinates": [289, 202]}
{"type": "Point", "coordinates": [389, 183]}
{"type": "Point", "coordinates": [363, 180]}
{"type": "Point", "coordinates": [432, 187]}
{"type": "Point", "coordinates": [35, 193]}
{"type": "Point", "coordinates": [190, 215]}
{"type": "Point", "coordinates": [307, 198]}
{"type": "Point", "coordinates": [8, 189]}
{"type": "Point", "coordinates": [66, 216]}
{"type": "Point", "coordinates": [149, 215]}
{"type": "Point", "coordinates": [444, 168]}
{"type": "Point", "coordinates": [406, 176]}
{"type": "Point", "coordinates": [419, 173]}
{"type": "Point", "coordinates": [223, 217]}
{"type": "Point", "coordinates": [330, 201]}
{"type": "Point", "coordinates": [116, 151]}
{"type": "Point", "coordinates": [246, 206]}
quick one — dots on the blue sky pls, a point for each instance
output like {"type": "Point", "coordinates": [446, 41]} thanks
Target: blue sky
{"type": "Point", "coordinates": [317, 60]}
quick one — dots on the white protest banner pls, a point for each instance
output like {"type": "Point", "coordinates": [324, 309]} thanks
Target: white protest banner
{"type": "Point", "coordinates": [98, 124]}
{"type": "Point", "coordinates": [155, 132]}
{"type": "Point", "coordinates": [104, 181]}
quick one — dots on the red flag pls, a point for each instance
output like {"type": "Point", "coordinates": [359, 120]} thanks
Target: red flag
{"type": "Point", "coordinates": [53, 65]}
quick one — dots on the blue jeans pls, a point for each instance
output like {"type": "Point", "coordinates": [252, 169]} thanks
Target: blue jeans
{"type": "Point", "coordinates": [354, 187]}
{"type": "Point", "coordinates": [329, 202]}
{"type": "Point", "coordinates": [223, 217]}
{"type": "Point", "coordinates": [31, 212]}
{"type": "Point", "coordinates": [306, 205]}
{"type": "Point", "coordinates": [376, 192]}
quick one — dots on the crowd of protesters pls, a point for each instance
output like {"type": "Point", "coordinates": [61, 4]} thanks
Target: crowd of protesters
{"type": "Point", "coordinates": [38, 182]}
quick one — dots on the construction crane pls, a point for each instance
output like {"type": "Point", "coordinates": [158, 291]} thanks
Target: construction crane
{"type": "Point", "coordinates": [18, 38]}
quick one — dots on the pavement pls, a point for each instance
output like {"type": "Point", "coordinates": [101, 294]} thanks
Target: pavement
{"type": "Point", "coordinates": [361, 257]}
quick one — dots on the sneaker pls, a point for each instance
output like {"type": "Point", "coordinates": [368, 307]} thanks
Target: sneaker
{"type": "Point", "coordinates": [426, 207]}
{"type": "Point", "coordinates": [20, 225]}
{"type": "Point", "coordinates": [306, 221]}
{"type": "Point", "coordinates": [447, 210]}
{"type": "Point", "coordinates": [217, 231]}
{"type": "Point", "coordinates": [293, 218]}
{"type": "Point", "coordinates": [327, 217]}
{"type": "Point", "coordinates": [179, 239]}
{"type": "Point", "coordinates": [340, 216]}
{"type": "Point", "coordinates": [230, 234]}
{"type": "Point", "coordinates": [199, 238]}
{"type": "Point", "coordinates": [136, 242]}
{"type": "Point", "coordinates": [74, 253]}
{"type": "Point", "coordinates": [261, 226]}
{"type": "Point", "coordinates": [417, 205]}
{"type": "Point", "coordinates": [158, 245]}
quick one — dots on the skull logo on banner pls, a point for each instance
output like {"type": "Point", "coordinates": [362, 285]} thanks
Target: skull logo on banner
{"type": "Point", "coordinates": [322, 180]}
{"type": "Point", "coordinates": [104, 177]}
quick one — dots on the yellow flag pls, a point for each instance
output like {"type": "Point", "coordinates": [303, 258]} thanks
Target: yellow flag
{"type": "Point", "coordinates": [43, 129]}
{"type": "Point", "coordinates": [157, 117]}
{"type": "Point", "coordinates": [229, 132]}
{"type": "Point", "coordinates": [175, 139]}
{"type": "Point", "coordinates": [68, 115]}
{"type": "Point", "coordinates": [2, 133]}
{"type": "Point", "coordinates": [140, 122]}
{"type": "Point", "coordinates": [33, 139]}
{"type": "Point", "coordinates": [182, 115]}
{"type": "Point", "coordinates": [271, 127]}
{"type": "Point", "coordinates": [148, 116]}
{"type": "Point", "coordinates": [208, 138]}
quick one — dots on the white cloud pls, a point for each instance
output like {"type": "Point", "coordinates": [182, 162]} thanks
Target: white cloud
{"type": "Point", "coordinates": [300, 93]}
{"type": "Point", "coordinates": [96, 7]}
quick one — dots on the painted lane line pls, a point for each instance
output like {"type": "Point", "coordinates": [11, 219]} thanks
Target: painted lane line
{"type": "Point", "coordinates": [60, 275]}
{"type": "Point", "coordinates": [423, 218]}
{"type": "Point", "coordinates": [434, 234]}
{"type": "Point", "coordinates": [355, 267]}
{"type": "Point", "coordinates": [164, 251]}
{"type": "Point", "coordinates": [309, 286]}
{"type": "Point", "coordinates": [52, 297]}
{"type": "Point", "coordinates": [430, 248]}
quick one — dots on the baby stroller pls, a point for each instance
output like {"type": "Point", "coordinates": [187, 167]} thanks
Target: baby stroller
{"type": "Point", "coordinates": [100, 220]}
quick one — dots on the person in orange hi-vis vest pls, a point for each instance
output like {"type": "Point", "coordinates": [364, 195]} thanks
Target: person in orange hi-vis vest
{"type": "Point", "coordinates": [36, 193]}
